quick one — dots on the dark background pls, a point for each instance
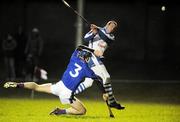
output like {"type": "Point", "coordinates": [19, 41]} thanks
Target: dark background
{"type": "Point", "coordinates": [147, 42]}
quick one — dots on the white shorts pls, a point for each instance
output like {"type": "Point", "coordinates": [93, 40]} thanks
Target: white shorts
{"type": "Point", "coordinates": [99, 69]}
{"type": "Point", "coordinates": [102, 72]}
{"type": "Point", "coordinates": [59, 89]}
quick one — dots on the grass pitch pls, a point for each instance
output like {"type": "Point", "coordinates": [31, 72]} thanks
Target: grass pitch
{"type": "Point", "coordinates": [37, 110]}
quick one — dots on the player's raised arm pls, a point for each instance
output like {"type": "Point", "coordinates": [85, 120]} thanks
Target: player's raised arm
{"type": "Point", "coordinates": [92, 33]}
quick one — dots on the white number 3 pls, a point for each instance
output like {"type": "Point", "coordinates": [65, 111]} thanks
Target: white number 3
{"type": "Point", "coordinates": [77, 69]}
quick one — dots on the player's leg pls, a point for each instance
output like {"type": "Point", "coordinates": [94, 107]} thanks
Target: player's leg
{"type": "Point", "coordinates": [77, 108]}
{"type": "Point", "coordinates": [65, 96]}
{"type": "Point", "coordinates": [30, 85]}
{"type": "Point", "coordinates": [40, 88]}
{"type": "Point", "coordinates": [101, 71]}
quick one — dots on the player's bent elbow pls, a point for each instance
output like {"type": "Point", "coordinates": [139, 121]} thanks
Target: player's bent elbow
{"type": "Point", "coordinates": [88, 82]}
{"type": "Point", "coordinates": [33, 85]}
{"type": "Point", "coordinates": [37, 88]}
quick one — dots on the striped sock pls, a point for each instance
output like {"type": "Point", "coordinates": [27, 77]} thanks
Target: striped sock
{"type": "Point", "coordinates": [109, 91]}
{"type": "Point", "coordinates": [80, 88]}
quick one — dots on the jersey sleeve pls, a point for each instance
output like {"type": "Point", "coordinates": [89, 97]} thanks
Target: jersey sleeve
{"type": "Point", "coordinates": [108, 38]}
{"type": "Point", "coordinates": [90, 73]}
{"type": "Point", "coordinates": [89, 36]}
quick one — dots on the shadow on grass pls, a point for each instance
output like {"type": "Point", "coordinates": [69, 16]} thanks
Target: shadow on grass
{"type": "Point", "coordinates": [82, 117]}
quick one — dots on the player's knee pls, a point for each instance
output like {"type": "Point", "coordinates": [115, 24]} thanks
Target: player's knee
{"type": "Point", "coordinates": [36, 86]}
{"type": "Point", "coordinates": [83, 111]}
{"type": "Point", "coordinates": [89, 84]}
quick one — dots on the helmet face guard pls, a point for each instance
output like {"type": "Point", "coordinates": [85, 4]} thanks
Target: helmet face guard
{"type": "Point", "coordinates": [84, 55]}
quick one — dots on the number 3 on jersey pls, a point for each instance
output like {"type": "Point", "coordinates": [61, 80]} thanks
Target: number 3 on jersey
{"type": "Point", "coordinates": [76, 70]}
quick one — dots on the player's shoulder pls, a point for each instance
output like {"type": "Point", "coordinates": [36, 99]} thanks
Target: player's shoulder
{"type": "Point", "coordinates": [109, 35]}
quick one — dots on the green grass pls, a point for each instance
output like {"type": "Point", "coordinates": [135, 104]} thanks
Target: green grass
{"type": "Point", "coordinates": [37, 110]}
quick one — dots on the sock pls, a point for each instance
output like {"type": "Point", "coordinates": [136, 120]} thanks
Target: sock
{"type": "Point", "coordinates": [62, 111]}
{"type": "Point", "coordinates": [20, 85]}
{"type": "Point", "coordinates": [109, 91]}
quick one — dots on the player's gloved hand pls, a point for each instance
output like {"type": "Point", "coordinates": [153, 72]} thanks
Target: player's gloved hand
{"type": "Point", "coordinates": [93, 26]}
{"type": "Point", "coordinates": [105, 96]}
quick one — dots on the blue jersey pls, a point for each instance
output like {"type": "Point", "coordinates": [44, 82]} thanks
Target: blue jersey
{"type": "Point", "coordinates": [76, 71]}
